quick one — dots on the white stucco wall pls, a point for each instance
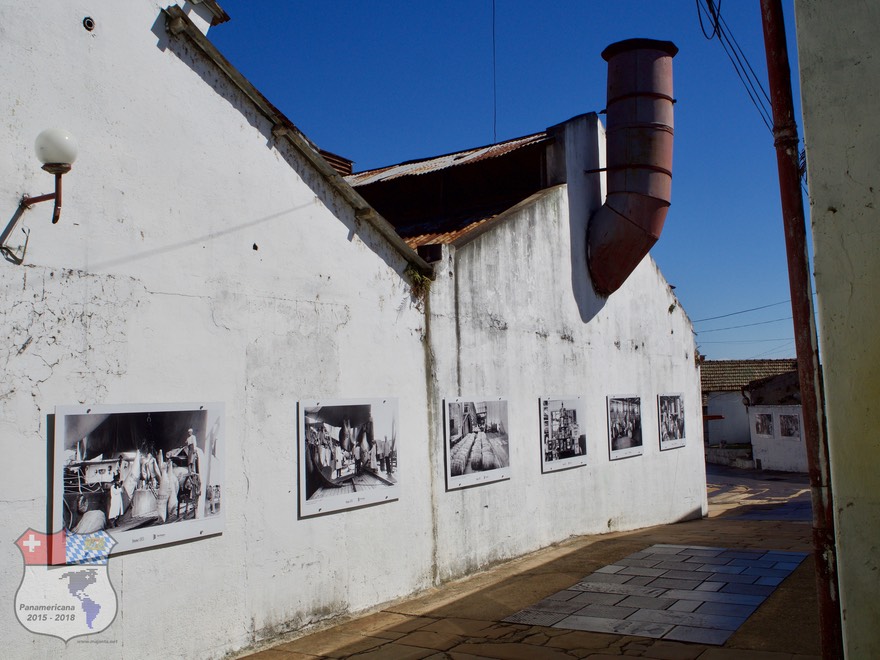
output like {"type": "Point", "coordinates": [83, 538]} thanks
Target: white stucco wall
{"type": "Point", "coordinates": [734, 427]}
{"type": "Point", "coordinates": [195, 259]}
{"type": "Point", "coordinates": [784, 450]}
{"type": "Point", "coordinates": [198, 258]}
{"type": "Point", "coordinates": [840, 88]}
{"type": "Point", "coordinates": [513, 314]}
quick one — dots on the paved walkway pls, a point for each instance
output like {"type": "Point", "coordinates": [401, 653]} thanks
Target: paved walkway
{"type": "Point", "coordinates": [481, 616]}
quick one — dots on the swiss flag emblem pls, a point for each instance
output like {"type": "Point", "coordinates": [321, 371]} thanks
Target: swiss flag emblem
{"type": "Point", "coordinates": [40, 549]}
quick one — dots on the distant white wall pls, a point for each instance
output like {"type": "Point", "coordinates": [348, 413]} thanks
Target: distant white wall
{"type": "Point", "coordinates": [198, 258]}
{"type": "Point", "coordinates": [733, 427]}
{"type": "Point", "coordinates": [781, 445]}
{"type": "Point", "coordinates": [840, 88]}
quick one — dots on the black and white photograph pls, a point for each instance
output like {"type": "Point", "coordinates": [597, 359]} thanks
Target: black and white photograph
{"type": "Point", "coordinates": [563, 440]}
{"type": "Point", "coordinates": [147, 474]}
{"type": "Point", "coordinates": [477, 441]}
{"type": "Point", "coordinates": [790, 426]}
{"type": "Point", "coordinates": [764, 424]}
{"type": "Point", "coordinates": [624, 426]}
{"type": "Point", "coordinates": [348, 454]}
{"type": "Point", "coordinates": [670, 414]}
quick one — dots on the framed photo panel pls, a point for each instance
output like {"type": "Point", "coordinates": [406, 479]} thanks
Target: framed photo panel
{"type": "Point", "coordinates": [147, 474]}
{"type": "Point", "coordinates": [790, 426]}
{"type": "Point", "coordinates": [563, 441]}
{"type": "Point", "coordinates": [670, 415]}
{"type": "Point", "coordinates": [477, 441]}
{"type": "Point", "coordinates": [348, 454]}
{"type": "Point", "coordinates": [764, 424]}
{"type": "Point", "coordinates": [624, 426]}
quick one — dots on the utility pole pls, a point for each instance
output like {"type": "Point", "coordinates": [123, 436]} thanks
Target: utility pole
{"type": "Point", "coordinates": [806, 342]}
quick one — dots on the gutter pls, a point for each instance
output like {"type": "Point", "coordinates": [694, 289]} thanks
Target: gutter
{"type": "Point", "coordinates": [178, 24]}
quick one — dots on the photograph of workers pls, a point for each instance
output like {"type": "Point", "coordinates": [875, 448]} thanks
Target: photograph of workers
{"type": "Point", "coordinates": [348, 454]}
{"type": "Point", "coordinates": [670, 411]}
{"type": "Point", "coordinates": [624, 426]}
{"type": "Point", "coordinates": [563, 441]}
{"type": "Point", "coordinates": [127, 469]}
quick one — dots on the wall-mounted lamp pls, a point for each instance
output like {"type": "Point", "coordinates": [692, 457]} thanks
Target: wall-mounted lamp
{"type": "Point", "coordinates": [56, 149]}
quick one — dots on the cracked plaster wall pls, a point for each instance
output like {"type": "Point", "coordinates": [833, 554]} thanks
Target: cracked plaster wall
{"type": "Point", "coordinates": [197, 259]}
{"type": "Point", "coordinates": [507, 319]}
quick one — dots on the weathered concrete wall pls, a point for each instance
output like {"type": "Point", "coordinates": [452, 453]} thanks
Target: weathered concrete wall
{"type": "Point", "coordinates": [198, 258]}
{"type": "Point", "coordinates": [734, 428]}
{"type": "Point", "coordinates": [785, 449]}
{"type": "Point", "coordinates": [507, 320]}
{"type": "Point", "coordinates": [840, 88]}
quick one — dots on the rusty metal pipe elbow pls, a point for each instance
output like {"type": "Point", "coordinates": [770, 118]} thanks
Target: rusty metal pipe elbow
{"type": "Point", "coordinates": [639, 160]}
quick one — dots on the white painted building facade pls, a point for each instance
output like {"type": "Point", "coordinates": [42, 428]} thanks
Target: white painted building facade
{"type": "Point", "coordinates": [777, 438]}
{"type": "Point", "coordinates": [207, 252]}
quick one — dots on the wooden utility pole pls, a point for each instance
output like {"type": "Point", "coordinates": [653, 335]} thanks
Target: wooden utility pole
{"type": "Point", "coordinates": [806, 342]}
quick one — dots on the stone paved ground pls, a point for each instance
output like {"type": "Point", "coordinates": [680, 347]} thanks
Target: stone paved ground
{"type": "Point", "coordinates": [465, 619]}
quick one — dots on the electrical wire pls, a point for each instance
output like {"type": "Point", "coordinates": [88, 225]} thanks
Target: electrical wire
{"type": "Point", "coordinates": [750, 80]}
{"type": "Point", "coordinates": [494, 83]}
{"type": "Point", "coordinates": [747, 325]}
{"type": "Point", "coordinates": [745, 311]}
{"type": "Point", "coordinates": [773, 350]}
{"type": "Point", "coordinates": [714, 19]}
{"type": "Point", "coordinates": [754, 87]}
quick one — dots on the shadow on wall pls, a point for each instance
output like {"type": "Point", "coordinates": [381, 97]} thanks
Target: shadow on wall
{"type": "Point", "coordinates": [580, 210]}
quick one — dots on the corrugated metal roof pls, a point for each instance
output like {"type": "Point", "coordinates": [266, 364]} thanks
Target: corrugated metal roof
{"type": "Point", "coordinates": [444, 237]}
{"type": "Point", "coordinates": [416, 167]}
{"type": "Point", "coordinates": [733, 375]}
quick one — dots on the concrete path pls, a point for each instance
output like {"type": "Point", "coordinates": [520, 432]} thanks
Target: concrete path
{"type": "Point", "coordinates": [480, 616]}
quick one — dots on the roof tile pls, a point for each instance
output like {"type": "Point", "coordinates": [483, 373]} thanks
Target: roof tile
{"type": "Point", "coordinates": [733, 375]}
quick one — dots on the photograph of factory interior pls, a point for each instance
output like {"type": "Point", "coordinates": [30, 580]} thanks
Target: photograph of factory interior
{"type": "Point", "coordinates": [625, 426]}
{"type": "Point", "coordinates": [128, 470]}
{"type": "Point", "coordinates": [477, 436]}
{"type": "Point", "coordinates": [562, 438]}
{"type": "Point", "coordinates": [349, 447]}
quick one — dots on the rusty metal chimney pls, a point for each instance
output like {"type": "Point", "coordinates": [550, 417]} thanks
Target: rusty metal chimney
{"type": "Point", "coordinates": [639, 160]}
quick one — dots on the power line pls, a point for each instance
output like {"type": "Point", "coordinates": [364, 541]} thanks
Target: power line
{"type": "Point", "coordinates": [494, 83]}
{"type": "Point", "coordinates": [747, 325]}
{"type": "Point", "coordinates": [744, 70]}
{"type": "Point", "coordinates": [773, 350]}
{"type": "Point", "coordinates": [753, 85]}
{"type": "Point", "coordinates": [753, 309]}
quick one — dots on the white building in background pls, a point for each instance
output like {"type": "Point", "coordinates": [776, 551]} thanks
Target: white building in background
{"type": "Point", "coordinates": [775, 423]}
{"type": "Point", "coordinates": [725, 415]}
{"type": "Point", "coordinates": [207, 251]}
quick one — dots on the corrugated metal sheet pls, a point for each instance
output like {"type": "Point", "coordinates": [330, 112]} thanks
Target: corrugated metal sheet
{"type": "Point", "coordinates": [444, 238]}
{"type": "Point", "coordinates": [416, 167]}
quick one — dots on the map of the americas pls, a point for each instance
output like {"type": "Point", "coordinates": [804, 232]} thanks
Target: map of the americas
{"type": "Point", "coordinates": [77, 584]}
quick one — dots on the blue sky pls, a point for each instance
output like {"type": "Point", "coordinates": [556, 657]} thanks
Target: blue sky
{"type": "Point", "coordinates": [387, 81]}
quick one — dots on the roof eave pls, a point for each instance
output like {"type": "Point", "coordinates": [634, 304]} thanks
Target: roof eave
{"type": "Point", "coordinates": [178, 24]}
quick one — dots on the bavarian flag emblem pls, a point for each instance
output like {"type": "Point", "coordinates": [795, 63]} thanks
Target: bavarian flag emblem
{"type": "Point", "coordinates": [65, 591]}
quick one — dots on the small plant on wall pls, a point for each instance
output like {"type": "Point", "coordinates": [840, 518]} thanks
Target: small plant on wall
{"type": "Point", "coordinates": [419, 285]}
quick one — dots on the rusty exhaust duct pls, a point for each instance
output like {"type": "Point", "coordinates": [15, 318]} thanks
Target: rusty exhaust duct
{"type": "Point", "coordinates": [639, 160]}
